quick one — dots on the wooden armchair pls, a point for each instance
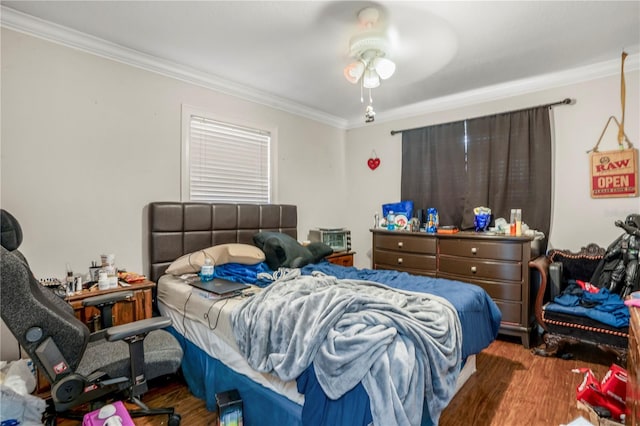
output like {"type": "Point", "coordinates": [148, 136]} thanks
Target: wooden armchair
{"type": "Point", "coordinates": [561, 329]}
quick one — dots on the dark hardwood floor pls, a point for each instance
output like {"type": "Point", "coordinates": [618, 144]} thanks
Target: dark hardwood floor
{"type": "Point", "coordinates": [511, 387]}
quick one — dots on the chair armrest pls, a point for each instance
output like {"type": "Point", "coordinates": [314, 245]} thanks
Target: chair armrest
{"type": "Point", "coordinates": [107, 298]}
{"type": "Point", "coordinates": [120, 332]}
{"type": "Point", "coordinates": [541, 264]}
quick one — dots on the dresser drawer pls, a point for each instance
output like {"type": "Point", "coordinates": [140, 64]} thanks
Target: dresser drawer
{"type": "Point", "coordinates": [396, 260]}
{"type": "Point", "coordinates": [427, 273]}
{"type": "Point", "coordinates": [406, 243]}
{"type": "Point", "coordinates": [496, 290]}
{"type": "Point", "coordinates": [511, 312]}
{"type": "Point", "coordinates": [487, 269]}
{"type": "Point", "coordinates": [481, 249]}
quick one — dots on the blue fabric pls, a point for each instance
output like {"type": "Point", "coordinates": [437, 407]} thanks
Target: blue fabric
{"type": "Point", "coordinates": [479, 315]}
{"type": "Point", "coordinates": [351, 409]}
{"type": "Point", "coordinates": [207, 376]}
{"type": "Point", "coordinates": [603, 306]}
{"type": "Point", "coordinates": [247, 274]}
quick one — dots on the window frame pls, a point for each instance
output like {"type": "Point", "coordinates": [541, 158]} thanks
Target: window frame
{"type": "Point", "coordinates": [185, 167]}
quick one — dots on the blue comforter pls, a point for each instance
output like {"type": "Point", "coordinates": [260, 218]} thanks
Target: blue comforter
{"type": "Point", "coordinates": [478, 313]}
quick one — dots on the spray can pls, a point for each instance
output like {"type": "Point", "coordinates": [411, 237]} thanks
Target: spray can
{"type": "Point", "coordinates": [432, 220]}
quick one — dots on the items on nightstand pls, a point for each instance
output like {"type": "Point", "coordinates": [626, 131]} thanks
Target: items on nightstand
{"type": "Point", "coordinates": [103, 281]}
{"type": "Point", "coordinates": [339, 239]}
{"type": "Point", "coordinates": [108, 265]}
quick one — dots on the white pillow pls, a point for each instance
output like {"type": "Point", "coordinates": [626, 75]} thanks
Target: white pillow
{"type": "Point", "coordinates": [244, 254]}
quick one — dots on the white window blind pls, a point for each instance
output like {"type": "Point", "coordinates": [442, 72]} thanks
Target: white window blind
{"type": "Point", "coordinates": [228, 163]}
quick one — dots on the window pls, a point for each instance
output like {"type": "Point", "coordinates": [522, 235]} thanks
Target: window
{"type": "Point", "coordinates": [224, 162]}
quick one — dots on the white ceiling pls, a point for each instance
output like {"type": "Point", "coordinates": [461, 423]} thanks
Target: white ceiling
{"type": "Point", "coordinates": [291, 54]}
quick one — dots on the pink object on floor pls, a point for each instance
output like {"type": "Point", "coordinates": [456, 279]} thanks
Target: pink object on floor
{"type": "Point", "coordinates": [114, 414]}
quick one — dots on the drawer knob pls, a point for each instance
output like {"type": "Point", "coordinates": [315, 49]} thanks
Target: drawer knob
{"type": "Point", "coordinates": [474, 250]}
{"type": "Point", "coordinates": [474, 269]}
{"type": "Point", "coordinates": [400, 244]}
{"type": "Point", "coordinates": [399, 260]}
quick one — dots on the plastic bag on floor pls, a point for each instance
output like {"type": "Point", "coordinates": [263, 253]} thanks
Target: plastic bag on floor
{"type": "Point", "coordinates": [16, 383]}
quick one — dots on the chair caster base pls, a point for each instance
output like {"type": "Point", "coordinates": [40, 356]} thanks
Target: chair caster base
{"type": "Point", "coordinates": [174, 420]}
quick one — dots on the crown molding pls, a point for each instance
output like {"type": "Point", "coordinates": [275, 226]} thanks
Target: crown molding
{"type": "Point", "coordinates": [506, 90]}
{"type": "Point", "coordinates": [30, 25]}
{"type": "Point", "coordinates": [46, 30]}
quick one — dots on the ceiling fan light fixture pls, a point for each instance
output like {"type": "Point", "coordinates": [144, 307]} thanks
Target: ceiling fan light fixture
{"type": "Point", "coordinates": [371, 79]}
{"type": "Point", "coordinates": [369, 49]}
{"type": "Point", "coordinates": [354, 71]}
{"type": "Point", "coordinates": [384, 67]}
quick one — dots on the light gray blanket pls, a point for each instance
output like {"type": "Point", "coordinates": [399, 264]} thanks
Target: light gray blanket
{"type": "Point", "coordinates": [404, 347]}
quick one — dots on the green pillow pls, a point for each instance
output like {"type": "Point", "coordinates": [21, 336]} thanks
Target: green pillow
{"type": "Point", "coordinates": [282, 250]}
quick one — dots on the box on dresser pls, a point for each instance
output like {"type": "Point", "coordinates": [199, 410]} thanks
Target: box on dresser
{"type": "Point", "coordinates": [497, 263]}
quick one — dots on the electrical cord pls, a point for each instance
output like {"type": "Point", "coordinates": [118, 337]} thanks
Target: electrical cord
{"type": "Point", "coordinates": [208, 318]}
{"type": "Point", "coordinates": [184, 324]}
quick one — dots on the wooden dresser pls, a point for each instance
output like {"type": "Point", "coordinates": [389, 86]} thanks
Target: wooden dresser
{"type": "Point", "coordinates": [497, 263]}
{"type": "Point", "coordinates": [633, 368]}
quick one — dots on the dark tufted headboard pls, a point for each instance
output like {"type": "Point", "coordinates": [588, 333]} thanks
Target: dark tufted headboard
{"type": "Point", "coordinates": [177, 228]}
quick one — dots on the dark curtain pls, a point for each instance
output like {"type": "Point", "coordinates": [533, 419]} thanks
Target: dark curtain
{"type": "Point", "coordinates": [509, 166]}
{"type": "Point", "coordinates": [433, 170]}
{"type": "Point", "coordinates": [505, 165]}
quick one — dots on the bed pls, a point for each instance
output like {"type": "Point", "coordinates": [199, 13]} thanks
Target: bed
{"type": "Point", "coordinates": [218, 359]}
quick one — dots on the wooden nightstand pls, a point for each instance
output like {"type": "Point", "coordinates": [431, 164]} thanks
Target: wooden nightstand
{"type": "Point", "coordinates": [135, 308]}
{"type": "Point", "coordinates": [343, 258]}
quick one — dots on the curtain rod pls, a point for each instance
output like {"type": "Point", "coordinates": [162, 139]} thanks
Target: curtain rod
{"type": "Point", "coordinates": [566, 101]}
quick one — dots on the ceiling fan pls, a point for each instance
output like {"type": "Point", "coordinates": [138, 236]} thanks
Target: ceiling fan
{"type": "Point", "coordinates": [369, 50]}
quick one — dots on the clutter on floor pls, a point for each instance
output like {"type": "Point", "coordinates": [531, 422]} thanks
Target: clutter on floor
{"type": "Point", "coordinates": [603, 401]}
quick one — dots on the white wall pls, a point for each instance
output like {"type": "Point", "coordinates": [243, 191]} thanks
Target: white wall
{"type": "Point", "coordinates": [88, 142]}
{"type": "Point", "coordinates": [577, 219]}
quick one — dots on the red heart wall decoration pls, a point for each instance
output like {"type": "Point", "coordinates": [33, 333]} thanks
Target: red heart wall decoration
{"type": "Point", "coordinates": [374, 161]}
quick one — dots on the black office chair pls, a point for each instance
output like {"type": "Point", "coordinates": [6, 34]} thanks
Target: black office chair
{"type": "Point", "coordinates": [82, 368]}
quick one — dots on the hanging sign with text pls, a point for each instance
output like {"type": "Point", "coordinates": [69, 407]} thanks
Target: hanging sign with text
{"type": "Point", "coordinates": [614, 173]}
